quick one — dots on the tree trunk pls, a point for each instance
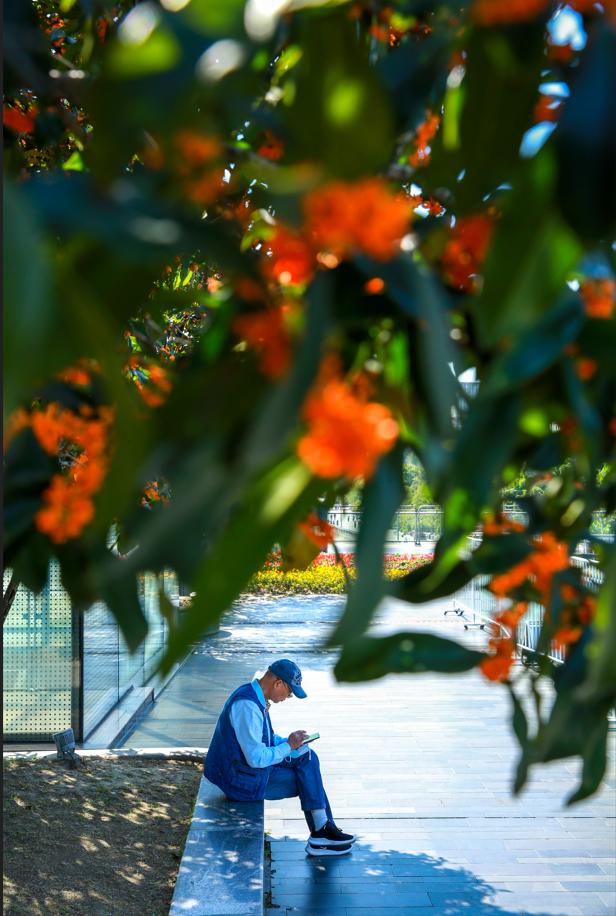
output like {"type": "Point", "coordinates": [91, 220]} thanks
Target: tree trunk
{"type": "Point", "coordinates": [9, 596]}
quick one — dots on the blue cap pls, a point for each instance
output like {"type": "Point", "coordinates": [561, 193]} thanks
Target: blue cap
{"type": "Point", "coordinates": [288, 672]}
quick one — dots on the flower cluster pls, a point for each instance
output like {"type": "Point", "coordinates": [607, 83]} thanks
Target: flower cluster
{"type": "Point", "coordinates": [577, 612]}
{"type": "Point", "coordinates": [363, 216]}
{"type": "Point", "coordinates": [548, 108]}
{"type": "Point", "coordinates": [599, 297]}
{"type": "Point", "coordinates": [339, 219]}
{"type": "Point", "coordinates": [465, 251]}
{"type": "Point", "coordinates": [317, 530]}
{"type": "Point", "coordinates": [497, 665]}
{"type": "Point", "coordinates": [80, 442]}
{"type": "Point", "coordinates": [18, 120]}
{"type": "Point", "coordinates": [197, 166]}
{"type": "Point", "coordinates": [502, 12]}
{"type": "Point", "coordinates": [347, 433]}
{"type": "Point", "coordinates": [267, 333]}
{"type": "Point", "coordinates": [324, 575]}
{"type": "Point", "coordinates": [495, 525]}
{"type": "Point", "coordinates": [549, 557]}
{"type": "Point", "coordinates": [423, 135]}
{"type": "Point", "coordinates": [271, 148]}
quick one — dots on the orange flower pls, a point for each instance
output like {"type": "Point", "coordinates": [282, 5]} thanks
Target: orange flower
{"type": "Point", "coordinates": [362, 216]}
{"type": "Point", "coordinates": [374, 286]}
{"type": "Point", "coordinates": [566, 635]}
{"type": "Point", "coordinates": [492, 526]}
{"type": "Point", "coordinates": [66, 510]}
{"type": "Point", "coordinates": [346, 433]}
{"type": "Point", "coordinates": [559, 53]}
{"type": "Point", "coordinates": [272, 148]}
{"type": "Point", "coordinates": [292, 260]}
{"type": "Point", "coordinates": [89, 475]}
{"type": "Point", "coordinates": [317, 530]}
{"type": "Point", "coordinates": [599, 296]}
{"type": "Point", "coordinates": [548, 108]}
{"type": "Point", "coordinates": [206, 188]}
{"type": "Point", "coordinates": [496, 667]}
{"type": "Point", "coordinates": [424, 134]}
{"type": "Point", "coordinates": [197, 149]}
{"type": "Point", "coordinates": [19, 121]}
{"type": "Point", "coordinates": [75, 375]}
{"type": "Point", "coordinates": [550, 556]}
{"type": "Point", "coordinates": [266, 333]}
{"type": "Point", "coordinates": [503, 12]}
{"type": "Point", "coordinates": [511, 617]}
{"type": "Point", "coordinates": [466, 250]}
{"type": "Point", "coordinates": [585, 368]}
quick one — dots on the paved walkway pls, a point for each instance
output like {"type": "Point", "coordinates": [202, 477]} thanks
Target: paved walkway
{"type": "Point", "coordinates": [419, 766]}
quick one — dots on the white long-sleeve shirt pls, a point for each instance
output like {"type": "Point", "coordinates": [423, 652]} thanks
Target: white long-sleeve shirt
{"type": "Point", "coordinates": [247, 724]}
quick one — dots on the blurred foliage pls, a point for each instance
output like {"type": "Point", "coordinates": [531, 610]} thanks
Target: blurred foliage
{"type": "Point", "coordinates": [249, 255]}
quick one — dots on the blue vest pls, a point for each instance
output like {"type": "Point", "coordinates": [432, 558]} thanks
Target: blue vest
{"type": "Point", "coordinates": [225, 764]}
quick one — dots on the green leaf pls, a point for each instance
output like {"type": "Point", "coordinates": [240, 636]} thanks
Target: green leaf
{"type": "Point", "coordinates": [275, 500]}
{"type": "Point", "coordinates": [120, 593]}
{"type": "Point", "coordinates": [30, 564]}
{"type": "Point", "coordinates": [499, 92]}
{"type": "Point", "coordinates": [519, 722]}
{"type": "Point", "coordinates": [336, 94]}
{"type": "Point", "coordinates": [477, 461]}
{"type": "Point", "coordinates": [585, 139]}
{"type": "Point", "coordinates": [276, 418]}
{"type": "Point", "coordinates": [215, 17]}
{"type": "Point", "coordinates": [530, 258]}
{"type": "Point", "coordinates": [417, 294]}
{"type": "Point", "coordinates": [498, 554]}
{"type": "Point", "coordinates": [157, 53]}
{"type": "Point", "coordinates": [537, 349]}
{"type": "Point", "coordinates": [29, 308]}
{"type": "Point", "coordinates": [600, 681]}
{"type": "Point", "coordinates": [381, 498]}
{"type": "Point", "coordinates": [367, 658]}
{"type": "Point", "coordinates": [428, 582]}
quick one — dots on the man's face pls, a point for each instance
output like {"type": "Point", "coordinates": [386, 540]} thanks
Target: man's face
{"type": "Point", "coordinates": [281, 691]}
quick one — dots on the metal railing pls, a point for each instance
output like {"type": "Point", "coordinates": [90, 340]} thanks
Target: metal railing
{"type": "Point", "coordinates": [413, 525]}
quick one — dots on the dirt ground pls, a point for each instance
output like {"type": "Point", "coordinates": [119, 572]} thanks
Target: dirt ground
{"type": "Point", "coordinates": [96, 841]}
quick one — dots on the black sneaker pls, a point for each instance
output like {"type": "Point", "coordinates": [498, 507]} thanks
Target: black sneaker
{"type": "Point", "coordinates": [328, 850]}
{"type": "Point", "coordinates": [330, 835]}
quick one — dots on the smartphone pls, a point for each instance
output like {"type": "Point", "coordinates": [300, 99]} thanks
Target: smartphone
{"type": "Point", "coordinates": [310, 738]}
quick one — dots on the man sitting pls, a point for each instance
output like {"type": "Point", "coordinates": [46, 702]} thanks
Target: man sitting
{"type": "Point", "coordinates": [249, 762]}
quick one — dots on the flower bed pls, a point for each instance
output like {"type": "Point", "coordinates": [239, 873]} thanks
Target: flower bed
{"type": "Point", "coordinates": [324, 575]}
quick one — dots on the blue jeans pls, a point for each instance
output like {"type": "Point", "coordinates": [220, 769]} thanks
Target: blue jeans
{"type": "Point", "coordinates": [299, 776]}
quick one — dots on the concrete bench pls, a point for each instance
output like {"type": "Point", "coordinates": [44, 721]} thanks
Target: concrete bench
{"type": "Point", "coordinates": [221, 872]}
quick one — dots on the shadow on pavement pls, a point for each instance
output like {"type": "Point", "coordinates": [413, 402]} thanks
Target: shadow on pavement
{"type": "Point", "coordinates": [382, 883]}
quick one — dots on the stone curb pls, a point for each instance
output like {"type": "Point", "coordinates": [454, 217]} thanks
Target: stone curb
{"type": "Point", "coordinates": [222, 868]}
{"type": "Point", "coordinates": [153, 753]}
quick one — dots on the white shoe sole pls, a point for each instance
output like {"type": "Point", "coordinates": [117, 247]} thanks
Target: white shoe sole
{"type": "Point", "coordinates": [323, 842]}
{"type": "Point", "coordinates": [329, 850]}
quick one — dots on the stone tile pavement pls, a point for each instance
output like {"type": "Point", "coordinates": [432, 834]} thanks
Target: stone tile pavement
{"type": "Point", "coordinates": [420, 767]}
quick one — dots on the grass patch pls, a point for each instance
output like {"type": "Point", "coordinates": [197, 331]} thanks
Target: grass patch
{"type": "Point", "coordinates": [102, 840]}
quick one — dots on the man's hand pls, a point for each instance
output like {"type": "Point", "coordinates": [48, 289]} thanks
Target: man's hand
{"type": "Point", "coordinates": [295, 739]}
